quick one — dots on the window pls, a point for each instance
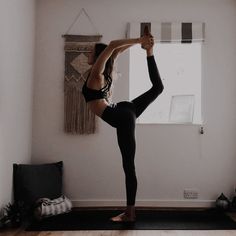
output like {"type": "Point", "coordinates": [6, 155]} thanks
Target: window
{"type": "Point", "coordinates": [181, 72]}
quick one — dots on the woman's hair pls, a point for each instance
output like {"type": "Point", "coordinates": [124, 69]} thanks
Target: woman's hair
{"type": "Point", "coordinates": [99, 48]}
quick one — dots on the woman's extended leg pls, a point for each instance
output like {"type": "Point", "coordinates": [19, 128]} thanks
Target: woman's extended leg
{"type": "Point", "coordinates": [142, 101]}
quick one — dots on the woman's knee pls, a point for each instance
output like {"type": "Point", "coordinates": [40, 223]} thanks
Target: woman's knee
{"type": "Point", "coordinates": [156, 91]}
{"type": "Point", "coordinates": [130, 173]}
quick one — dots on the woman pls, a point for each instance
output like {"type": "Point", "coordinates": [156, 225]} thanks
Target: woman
{"type": "Point", "coordinates": [122, 115]}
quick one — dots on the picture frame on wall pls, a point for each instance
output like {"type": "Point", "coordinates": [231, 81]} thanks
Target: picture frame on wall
{"type": "Point", "coordinates": [181, 109]}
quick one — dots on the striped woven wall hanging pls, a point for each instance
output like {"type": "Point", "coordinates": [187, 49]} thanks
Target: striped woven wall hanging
{"type": "Point", "coordinates": [169, 32]}
{"type": "Point", "coordinates": [78, 119]}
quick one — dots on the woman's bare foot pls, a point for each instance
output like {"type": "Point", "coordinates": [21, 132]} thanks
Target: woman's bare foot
{"type": "Point", "coordinates": [127, 216]}
{"type": "Point", "coordinates": [123, 217]}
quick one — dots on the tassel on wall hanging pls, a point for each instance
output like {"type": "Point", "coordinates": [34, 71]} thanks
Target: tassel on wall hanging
{"type": "Point", "coordinates": [78, 119]}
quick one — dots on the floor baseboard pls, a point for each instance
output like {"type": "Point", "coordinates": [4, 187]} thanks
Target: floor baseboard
{"type": "Point", "coordinates": [145, 208]}
{"type": "Point", "coordinates": [146, 203]}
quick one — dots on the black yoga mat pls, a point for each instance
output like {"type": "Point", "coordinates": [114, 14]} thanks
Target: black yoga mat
{"type": "Point", "coordinates": [145, 220]}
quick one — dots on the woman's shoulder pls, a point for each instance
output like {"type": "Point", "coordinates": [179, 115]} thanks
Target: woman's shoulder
{"type": "Point", "coordinates": [95, 81]}
{"type": "Point", "coordinates": [95, 76]}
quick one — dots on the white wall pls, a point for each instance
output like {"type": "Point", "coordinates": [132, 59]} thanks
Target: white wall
{"type": "Point", "coordinates": [169, 157]}
{"type": "Point", "coordinates": [17, 19]}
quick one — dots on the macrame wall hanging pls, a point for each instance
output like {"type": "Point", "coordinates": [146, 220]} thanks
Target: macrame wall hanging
{"type": "Point", "coordinates": [78, 119]}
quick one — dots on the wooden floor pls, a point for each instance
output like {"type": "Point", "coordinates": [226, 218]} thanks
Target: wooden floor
{"type": "Point", "coordinates": [21, 232]}
{"type": "Point", "coordinates": [126, 233]}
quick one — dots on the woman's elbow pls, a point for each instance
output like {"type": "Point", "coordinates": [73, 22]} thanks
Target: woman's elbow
{"type": "Point", "coordinates": [112, 44]}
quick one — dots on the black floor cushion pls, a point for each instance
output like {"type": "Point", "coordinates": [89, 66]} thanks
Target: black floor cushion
{"type": "Point", "coordinates": [145, 220]}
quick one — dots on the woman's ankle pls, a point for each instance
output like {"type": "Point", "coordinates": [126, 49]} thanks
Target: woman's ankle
{"type": "Point", "coordinates": [130, 210]}
{"type": "Point", "coordinates": [149, 52]}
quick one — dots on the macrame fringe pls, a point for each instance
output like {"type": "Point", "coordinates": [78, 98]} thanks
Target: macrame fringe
{"type": "Point", "coordinates": [78, 117]}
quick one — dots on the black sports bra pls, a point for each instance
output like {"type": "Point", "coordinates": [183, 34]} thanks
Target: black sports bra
{"type": "Point", "coordinates": [93, 94]}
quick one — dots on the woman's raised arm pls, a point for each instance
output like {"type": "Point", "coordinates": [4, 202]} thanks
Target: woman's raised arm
{"type": "Point", "coordinates": [100, 63]}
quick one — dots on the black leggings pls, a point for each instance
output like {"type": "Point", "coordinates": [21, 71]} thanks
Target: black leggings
{"type": "Point", "coordinates": [122, 116]}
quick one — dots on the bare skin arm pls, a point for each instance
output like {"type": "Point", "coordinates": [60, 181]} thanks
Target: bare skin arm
{"type": "Point", "coordinates": [99, 65]}
{"type": "Point", "coordinates": [118, 51]}
{"type": "Point", "coordinates": [148, 46]}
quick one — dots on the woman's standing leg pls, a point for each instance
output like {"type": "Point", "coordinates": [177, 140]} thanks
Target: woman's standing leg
{"type": "Point", "coordinates": [127, 145]}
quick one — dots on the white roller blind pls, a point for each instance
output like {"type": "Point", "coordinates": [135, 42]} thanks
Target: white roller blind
{"type": "Point", "coordinates": [167, 32]}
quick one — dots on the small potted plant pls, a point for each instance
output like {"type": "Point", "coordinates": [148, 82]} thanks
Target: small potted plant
{"type": "Point", "coordinates": [11, 216]}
